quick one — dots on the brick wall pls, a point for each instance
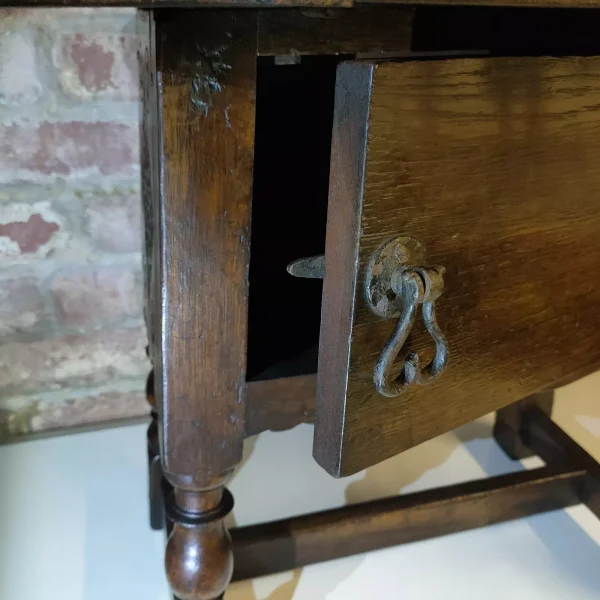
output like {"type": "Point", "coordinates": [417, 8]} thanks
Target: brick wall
{"type": "Point", "coordinates": [71, 329]}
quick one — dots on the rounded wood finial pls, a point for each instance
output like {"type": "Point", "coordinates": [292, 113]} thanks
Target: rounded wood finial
{"type": "Point", "coordinates": [199, 561]}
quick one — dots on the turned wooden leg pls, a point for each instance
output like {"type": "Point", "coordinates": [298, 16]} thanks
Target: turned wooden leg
{"type": "Point", "coordinates": [509, 425]}
{"type": "Point", "coordinates": [198, 108]}
{"type": "Point", "coordinates": [199, 556]}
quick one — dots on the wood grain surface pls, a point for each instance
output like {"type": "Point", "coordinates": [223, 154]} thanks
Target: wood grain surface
{"type": "Point", "coordinates": [492, 165]}
{"type": "Point", "coordinates": [204, 130]}
{"type": "Point", "coordinates": [198, 118]}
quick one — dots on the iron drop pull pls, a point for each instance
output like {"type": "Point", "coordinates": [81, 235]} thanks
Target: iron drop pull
{"type": "Point", "coordinates": [397, 284]}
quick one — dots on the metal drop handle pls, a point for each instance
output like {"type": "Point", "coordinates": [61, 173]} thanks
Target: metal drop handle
{"type": "Point", "coordinates": [396, 286]}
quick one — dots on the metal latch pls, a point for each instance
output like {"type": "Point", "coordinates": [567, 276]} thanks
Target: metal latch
{"type": "Point", "coordinates": [397, 282]}
{"type": "Point", "coordinates": [312, 267]}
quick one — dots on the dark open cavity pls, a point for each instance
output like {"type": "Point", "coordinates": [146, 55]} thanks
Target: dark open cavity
{"type": "Point", "coordinates": [291, 178]}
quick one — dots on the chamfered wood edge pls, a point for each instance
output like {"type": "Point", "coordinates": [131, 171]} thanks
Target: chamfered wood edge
{"type": "Point", "coordinates": [282, 545]}
{"type": "Point", "coordinates": [348, 161]}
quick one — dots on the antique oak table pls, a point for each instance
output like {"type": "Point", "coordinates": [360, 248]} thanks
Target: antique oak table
{"type": "Point", "coordinates": [383, 219]}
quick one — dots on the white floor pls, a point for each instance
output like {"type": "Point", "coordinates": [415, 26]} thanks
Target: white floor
{"type": "Point", "coordinates": [73, 520]}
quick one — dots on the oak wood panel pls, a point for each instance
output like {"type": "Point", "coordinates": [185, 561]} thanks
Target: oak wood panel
{"type": "Point", "coordinates": [288, 544]}
{"type": "Point", "coordinates": [492, 164]}
{"type": "Point", "coordinates": [205, 132]}
{"type": "Point", "coordinates": [335, 31]}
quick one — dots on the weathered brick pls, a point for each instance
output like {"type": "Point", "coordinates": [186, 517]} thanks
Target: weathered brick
{"type": "Point", "coordinates": [22, 312]}
{"type": "Point", "coordinates": [29, 232]}
{"type": "Point", "coordinates": [100, 296]}
{"type": "Point", "coordinates": [73, 361]}
{"type": "Point", "coordinates": [34, 415]}
{"type": "Point", "coordinates": [113, 221]}
{"type": "Point", "coordinates": [19, 79]}
{"type": "Point", "coordinates": [79, 58]}
{"type": "Point", "coordinates": [71, 149]}
{"type": "Point", "coordinates": [98, 66]}
{"type": "Point", "coordinates": [29, 235]}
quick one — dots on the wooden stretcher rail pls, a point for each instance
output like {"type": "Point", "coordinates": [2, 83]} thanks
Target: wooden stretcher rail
{"type": "Point", "coordinates": [281, 545]}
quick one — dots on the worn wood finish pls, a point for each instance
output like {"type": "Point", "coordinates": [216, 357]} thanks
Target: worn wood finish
{"type": "Point", "coordinates": [278, 404]}
{"type": "Point", "coordinates": [335, 31]}
{"type": "Point", "coordinates": [206, 96]}
{"type": "Point", "coordinates": [199, 115]}
{"type": "Point", "coordinates": [492, 165]}
{"type": "Point", "coordinates": [510, 423]}
{"type": "Point", "coordinates": [282, 545]}
{"type": "Point", "coordinates": [553, 445]}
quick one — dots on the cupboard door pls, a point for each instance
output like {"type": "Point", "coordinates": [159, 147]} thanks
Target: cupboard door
{"type": "Point", "coordinates": [488, 168]}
